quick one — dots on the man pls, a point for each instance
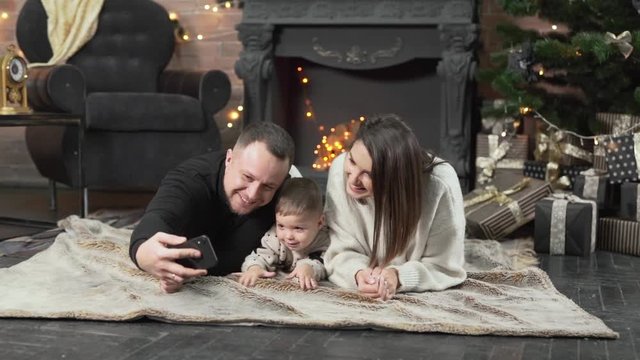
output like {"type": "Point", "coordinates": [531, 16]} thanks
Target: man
{"type": "Point", "coordinates": [227, 196]}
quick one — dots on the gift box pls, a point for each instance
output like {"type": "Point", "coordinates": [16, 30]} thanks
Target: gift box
{"type": "Point", "coordinates": [494, 152]}
{"type": "Point", "coordinates": [611, 124]}
{"type": "Point", "coordinates": [600, 157]}
{"type": "Point", "coordinates": [565, 225]}
{"type": "Point", "coordinates": [594, 185]}
{"type": "Point", "coordinates": [621, 158]}
{"type": "Point", "coordinates": [616, 124]}
{"type": "Point", "coordinates": [630, 201]}
{"type": "Point", "coordinates": [618, 235]}
{"type": "Point", "coordinates": [494, 213]}
{"type": "Point", "coordinates": [562, 176]}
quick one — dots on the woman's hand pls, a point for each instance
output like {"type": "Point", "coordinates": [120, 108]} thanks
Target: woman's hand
{"type": "Point", "coordinates": [377, 283]}
{"type": "Point", "coordinates": [388, 283]}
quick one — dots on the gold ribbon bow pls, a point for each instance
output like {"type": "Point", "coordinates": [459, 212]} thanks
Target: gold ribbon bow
{"type": "Point", "coordinates": [622, 41]}
{"type": "Point", "coordinates": [492, 193]}
{"type": "Point", "coordinates": [552, 175]}
{"type": "Point", "coordinates": [554, 146]}
{"type": "Point", "coordinates": [489, 164]}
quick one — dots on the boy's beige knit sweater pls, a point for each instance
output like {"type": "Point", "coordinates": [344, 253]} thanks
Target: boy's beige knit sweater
{"type": "Point", "coordinates": [434, 258]}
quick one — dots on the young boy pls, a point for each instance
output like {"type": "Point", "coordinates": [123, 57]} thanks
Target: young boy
{"type": "Point", "coordinates": [296, 241]}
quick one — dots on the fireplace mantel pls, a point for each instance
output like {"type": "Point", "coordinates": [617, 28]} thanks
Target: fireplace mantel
{"type": "Point", "coordinates": [364, 35]}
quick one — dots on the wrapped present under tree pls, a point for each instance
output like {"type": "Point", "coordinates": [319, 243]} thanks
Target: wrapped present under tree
{"type": "Point", "coordinates": [565, 225]}
{"type": "Point", "coordinates": [618, 235]}
{"type": "Point", "coordinates": [623, 152]}
{"type": "Point", "coordinates": [495, 152]}
{"type": "Point", "coordinates": [594, 185]}
{"type": "Point", "coordinates": [630, 201]}
{"type": "Point", "coordinates": [493, 213]}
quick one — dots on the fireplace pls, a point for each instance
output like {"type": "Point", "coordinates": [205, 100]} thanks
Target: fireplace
{"type": "Point", "coordinates": [409, 57]}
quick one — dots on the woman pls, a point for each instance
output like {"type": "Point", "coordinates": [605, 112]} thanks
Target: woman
{"type": "Point", "coordinates": [395, 215]}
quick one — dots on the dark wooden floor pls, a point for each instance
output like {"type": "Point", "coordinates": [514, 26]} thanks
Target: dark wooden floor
{"type": "Point", "coordinates": [606, 285]}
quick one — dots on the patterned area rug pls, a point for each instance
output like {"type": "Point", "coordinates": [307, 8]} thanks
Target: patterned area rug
{"type": "Point", "coordinates": [86, 274]}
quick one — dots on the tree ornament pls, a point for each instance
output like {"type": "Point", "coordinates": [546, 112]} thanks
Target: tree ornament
{"type": "Point", "coordinates": [636, 4]}
{"type": "Point", "coordinates": [521, 60]}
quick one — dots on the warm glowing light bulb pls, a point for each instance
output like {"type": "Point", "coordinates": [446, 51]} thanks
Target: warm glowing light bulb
{"type": "Point", "coordinates": [172, 15]}
{"type": "Point", "coordinates": [240, 108]}
{"type": "Point", "coordinates": [234, 115]}
{"type": "Point", "coordinates": [595, 141]}
{"type": "Point", "coordinates": [309, 114]}
{"type": "Point", "coordinates": [215, 9]}
{"type": "Point", "coordinates": [207, 6]}
{"type": "Point", "coordinates": [333, 130]}
{"type": "Point", "coordinates": [503, 134]}
{"type": "Point", "coordinates": [299, 68]}
{"type": "Point", "coordinates": [554, 27]}
{"type": "Point", "coordinates": [541, 72]}
{"type": "Point", "coordinates": [516, 124]}
{"type": "Point", "coordinates": [305, 80]}
{"type": "Point", "coordinates": [227, 4]}
{"type": "Point", "coordinates": [361, 118]}
{"type": "Point", "coordinates": [185, 37]}
{"type": "Point", "coordinates": [229, 125]}
{"type": "Point", "coordinates": [315, 152]}
{"type": "Point", "coordinates": [200, 37]}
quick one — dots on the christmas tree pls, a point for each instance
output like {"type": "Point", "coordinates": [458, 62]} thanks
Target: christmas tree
{"type": "Point", "coordinates": [581, 57]}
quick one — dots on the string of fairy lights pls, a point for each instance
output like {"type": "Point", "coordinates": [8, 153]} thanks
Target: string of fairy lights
{"type": "Point", "coordinates": [185, 35]}
{"type": "Point", "coordinates": [334, 140]}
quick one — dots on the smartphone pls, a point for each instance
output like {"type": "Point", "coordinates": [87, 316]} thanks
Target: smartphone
{"type": "Point", "coordinates": [202, 243]}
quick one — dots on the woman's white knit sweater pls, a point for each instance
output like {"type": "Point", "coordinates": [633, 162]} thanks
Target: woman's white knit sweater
{"type": "Point", "coordinates": [434, 258]}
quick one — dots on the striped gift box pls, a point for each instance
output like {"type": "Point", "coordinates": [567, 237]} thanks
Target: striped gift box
{"type": "Point", "coordinates": [517, 150]}
{"type": "Point", "coordinates": [617, 235]}
{"type": "Point", "coordinates": [616, 124]}
{"type": "Point", "coordinates": [600, 157]}
{"type": "Point", "coordinates": [491, 220]}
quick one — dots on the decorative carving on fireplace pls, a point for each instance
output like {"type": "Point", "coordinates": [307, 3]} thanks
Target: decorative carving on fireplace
{"type": "Point", "coordinates": [355, 35]}
{"type": "Point", "coordinates": [356, 55]}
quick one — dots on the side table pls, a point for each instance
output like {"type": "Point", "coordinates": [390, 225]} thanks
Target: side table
{"type": "Point", "coordinates": [50, 119]}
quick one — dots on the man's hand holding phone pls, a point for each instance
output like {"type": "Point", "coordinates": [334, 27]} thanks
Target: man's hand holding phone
{"type": "Point", "coordinates": [157, 257]}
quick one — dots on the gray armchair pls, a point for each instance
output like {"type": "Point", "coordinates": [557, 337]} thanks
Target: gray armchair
{"type": "Point", "coordinates": [139, 120]}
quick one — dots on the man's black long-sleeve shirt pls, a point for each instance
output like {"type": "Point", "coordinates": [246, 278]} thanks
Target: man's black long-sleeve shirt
{"type": "Point", "coordinates": [191, 201]}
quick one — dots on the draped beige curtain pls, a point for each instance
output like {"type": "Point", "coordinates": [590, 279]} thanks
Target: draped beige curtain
{"type": "Point", "coordinates": [70, 25]}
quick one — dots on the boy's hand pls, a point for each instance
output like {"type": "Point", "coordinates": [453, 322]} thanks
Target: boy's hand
{"type": "Point", "coordinates": [304, 273]}
{"type": "Point", "coordinates": [249, 277]}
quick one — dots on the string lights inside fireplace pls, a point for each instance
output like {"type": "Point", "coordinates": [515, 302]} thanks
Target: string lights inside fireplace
{"type": "Point", "coordinates": [333, 140]}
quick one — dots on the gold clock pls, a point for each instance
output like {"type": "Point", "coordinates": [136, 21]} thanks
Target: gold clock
{"type": "Point", "coordinates": [13, 82]}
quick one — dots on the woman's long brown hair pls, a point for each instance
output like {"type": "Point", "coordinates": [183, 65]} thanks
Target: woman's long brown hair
{"type": "Point", "coordinates": [397, 174]}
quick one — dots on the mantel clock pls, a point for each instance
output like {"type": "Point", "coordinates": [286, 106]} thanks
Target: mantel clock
{"type": "Point", "coordinates": [13, 81]}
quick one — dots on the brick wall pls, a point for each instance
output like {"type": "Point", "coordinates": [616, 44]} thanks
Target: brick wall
{"type": "Point", "coordinates": [219, 49]}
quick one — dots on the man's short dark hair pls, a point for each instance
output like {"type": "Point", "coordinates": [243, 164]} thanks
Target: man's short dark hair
{"type": "Point", "coordinates": [277, 139]}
